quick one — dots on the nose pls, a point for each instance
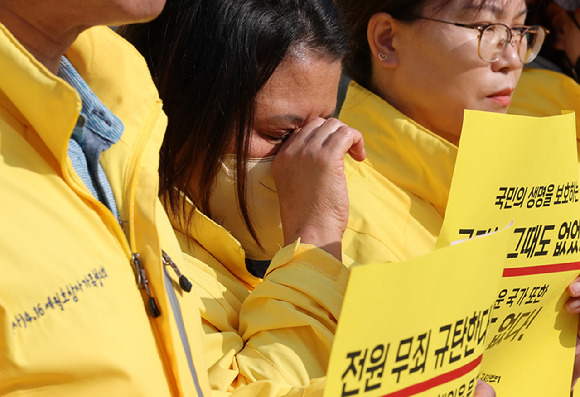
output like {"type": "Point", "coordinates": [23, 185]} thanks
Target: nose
{"type": "Point", "coordinates": [510, 59]}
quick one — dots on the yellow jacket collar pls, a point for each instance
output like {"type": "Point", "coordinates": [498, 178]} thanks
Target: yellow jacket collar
{"type": "Point", "coordinates": [51, 107]}
{"type": "Point", "coordinates": [216, 240]}
{"type": "Point", "coordinates": [405, 152]}
{"type": "Point", "coordinates": [45, 102]}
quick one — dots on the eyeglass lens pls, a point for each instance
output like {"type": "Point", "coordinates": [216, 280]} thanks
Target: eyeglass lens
{"type": "Point", "coordinates": [494, 41]}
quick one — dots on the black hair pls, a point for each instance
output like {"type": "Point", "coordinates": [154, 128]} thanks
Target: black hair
{"type": "Point", "coordinates": [209, 60]}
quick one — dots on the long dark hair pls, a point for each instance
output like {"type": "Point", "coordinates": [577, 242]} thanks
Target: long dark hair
{"type": "Point", "coordinates": [356, 15]}
{"type": "Point", "coordinates": [209, 59]}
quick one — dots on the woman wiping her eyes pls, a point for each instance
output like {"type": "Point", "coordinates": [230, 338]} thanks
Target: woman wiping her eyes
{"type": "Point", "coordinates": [249, 88]}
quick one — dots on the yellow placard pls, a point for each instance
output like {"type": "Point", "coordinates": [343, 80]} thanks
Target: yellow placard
{"type": "Point", "coordinates": [417, 327]}
{"type": "Point", "coordinates": [525, 170]}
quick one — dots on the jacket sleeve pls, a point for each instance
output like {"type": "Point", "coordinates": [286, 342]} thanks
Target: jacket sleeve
{"type": "Point", "coordinates": [288, 322]}
{"type": "Point", "coordinates": [275, 340]}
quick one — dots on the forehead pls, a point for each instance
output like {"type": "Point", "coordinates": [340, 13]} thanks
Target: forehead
{"type": "Point", "coordinates": [498, 8]}
{"type": "Point", "coordinates": [304, 84]}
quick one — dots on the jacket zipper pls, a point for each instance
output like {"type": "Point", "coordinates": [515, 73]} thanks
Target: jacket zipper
{"type": "Point", "coordinates": [144, 284]}
{"type": "Point", "coordinates": [184, 283]}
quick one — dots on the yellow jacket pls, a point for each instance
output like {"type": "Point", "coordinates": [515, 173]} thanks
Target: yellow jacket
{"type": "Point", "coordinates": [542, 92]}
{"type": "Point", "coordinates": [418, 165]}
{"type": "Point", "coordinates": [74, 321]}
{"type": "Point", "coordinates": [278, 329]}
{"type": "Point", "coordinates": [405, 209]}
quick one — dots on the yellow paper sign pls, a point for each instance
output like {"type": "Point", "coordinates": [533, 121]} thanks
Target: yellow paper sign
{"type": "Point", "coordinates": [525, 170]}
{"type": "Point", "coordinates": [417, 327]}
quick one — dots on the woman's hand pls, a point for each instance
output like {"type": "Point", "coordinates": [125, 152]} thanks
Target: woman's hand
{"type": "Point", "coordinates": [573, 306]}
{"type": "Point", "coordinates": [483, 389]}
{"type": "Point", "coordinates": [309, 175]}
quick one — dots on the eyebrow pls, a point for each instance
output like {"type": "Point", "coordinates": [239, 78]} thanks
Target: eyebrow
{"type": "Point", "coordinates": [288, 117]}
{"type": "Point", "coordinates": [297, 119]}
{"type": "Point", "coordinates": [497, 11]}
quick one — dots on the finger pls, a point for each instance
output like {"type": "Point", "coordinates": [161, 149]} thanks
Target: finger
{"type": "Point", "coordinates": [357, 150]}
{"type": "Point", "coordinates": [320, 135]}
{"type": "Point", "coordinates": [346, 139]}
{"type": "Point", "coordinates": [572, 305]}
{"type": "Point", "coordinates": [301, 136]}
{"type": "Point", "coordinates": [574, 288]}
{"type": "Point", "coordinates": [483, 389]}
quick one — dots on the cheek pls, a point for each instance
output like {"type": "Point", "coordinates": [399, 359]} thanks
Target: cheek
{"type": "Point", "coordinates": [446, 88]}
{"type": "Point", "coordinates": [451, 93]}
{"type": "Point", "coordinates": [440, 69]}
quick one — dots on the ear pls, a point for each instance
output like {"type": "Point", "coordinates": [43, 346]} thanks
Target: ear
{"type": "Point", "coordinates": [380, 32]}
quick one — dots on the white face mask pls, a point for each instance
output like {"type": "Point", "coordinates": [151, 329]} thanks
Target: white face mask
{"type": "Point", "coordinates": [261, 200]}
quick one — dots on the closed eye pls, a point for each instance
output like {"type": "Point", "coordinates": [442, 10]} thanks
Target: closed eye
{"type": "Point", "coordinates": [279, 136]}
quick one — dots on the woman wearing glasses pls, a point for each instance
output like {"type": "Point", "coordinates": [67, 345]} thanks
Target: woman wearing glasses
{"type": "Point", "coordinates": [416, 66]}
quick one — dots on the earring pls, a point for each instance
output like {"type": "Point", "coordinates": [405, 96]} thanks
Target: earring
{"type": "Point", "coordinates": [383, 57]}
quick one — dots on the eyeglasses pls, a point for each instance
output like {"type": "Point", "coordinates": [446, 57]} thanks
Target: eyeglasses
{"type": "Point", "coordinates": [495, 37]}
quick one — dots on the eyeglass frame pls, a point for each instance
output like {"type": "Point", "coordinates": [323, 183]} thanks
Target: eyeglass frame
{"type": "Point", "coordinates": [481, 27]}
